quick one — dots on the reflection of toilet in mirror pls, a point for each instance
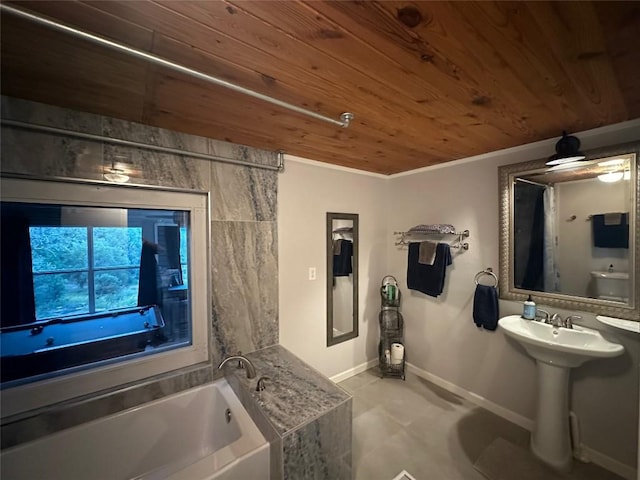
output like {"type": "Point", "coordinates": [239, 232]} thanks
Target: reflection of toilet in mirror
{"type": "Point", "coordinates": [612, 286]}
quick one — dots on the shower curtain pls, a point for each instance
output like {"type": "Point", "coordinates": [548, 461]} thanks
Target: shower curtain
{"type": "Point", "coordinates": [550, 268]}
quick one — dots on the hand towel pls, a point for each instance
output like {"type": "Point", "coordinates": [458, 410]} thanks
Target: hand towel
{"type": "Point", "coordinates": [485, 307]}
{"type": "Point", "coordinates": [427, 252]}
{"type": "Point", "coordinates": [342, 264]}
{"type": "Point", "coordinates": [610, 236]}
{"type": "Point", "coordinates": [428, 279]}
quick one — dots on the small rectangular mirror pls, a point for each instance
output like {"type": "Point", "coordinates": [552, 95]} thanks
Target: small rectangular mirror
{"type": "Point", "coordinates": [342, 277]}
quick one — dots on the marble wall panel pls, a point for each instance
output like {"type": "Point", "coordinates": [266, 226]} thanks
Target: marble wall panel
{"type": "Point", "coordinates": [242, 193]}
{"type": "Point", "coordinates": [244, 277]}
{"type": "Point", "coordinates": [49, 115]}
{"type": "Point", "coordinates": [321, 449]}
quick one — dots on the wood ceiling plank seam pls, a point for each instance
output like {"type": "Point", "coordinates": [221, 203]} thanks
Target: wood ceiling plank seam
{"type": "Point", "coordinates": [21, 49]}
{"type": "Point", "coordinates": [416, 134]}
{"type": "Point", "coordinates": [413, 104]}
{"type": "Point", "coordinates": [472, 86]}
{"type": "Point", "coordinates": [495, 56]}
{"type": "Point", "coordinates": [620, 23]}
{"type": "Point", "coordinates": [97, 21]}
{"type": "Point", "coordinates": [460, 110]}
{"type": "Point", "coordinates": [245, 111]}
{"type": "Point", "coordinates": [336, 85]}
{"type": "Point", "coordinates": [328, 155]}
{"type": "Point", "coordinates": [522, 113]}
{"type": "Point", "coordinates": [377, 126]}
{"type": "Point", "coordinates": [564, 45]}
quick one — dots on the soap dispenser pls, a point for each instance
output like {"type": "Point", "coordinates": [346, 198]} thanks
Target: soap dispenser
{"type": "Point", "coordinates": [529, 309]}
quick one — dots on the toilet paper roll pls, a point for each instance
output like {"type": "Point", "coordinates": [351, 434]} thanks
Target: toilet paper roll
{"type": "Point", "coordinates": [397, 353]}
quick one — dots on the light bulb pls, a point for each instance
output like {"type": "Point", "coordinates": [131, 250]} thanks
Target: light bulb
{"type": "Point", "coordinates": [611, 177]}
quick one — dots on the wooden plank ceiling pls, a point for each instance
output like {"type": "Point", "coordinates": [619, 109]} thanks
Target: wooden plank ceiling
{"type": "Point", "coordinates": [428, 82]}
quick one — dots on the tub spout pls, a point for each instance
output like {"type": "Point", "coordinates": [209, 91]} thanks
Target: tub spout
{"type": "Point", "coordinates": [251, 370]}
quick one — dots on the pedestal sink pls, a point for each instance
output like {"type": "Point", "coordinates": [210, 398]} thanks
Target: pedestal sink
{"type": "Point", "coordinates": [556, 350]}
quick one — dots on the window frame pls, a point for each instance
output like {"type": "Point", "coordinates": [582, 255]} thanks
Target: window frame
{"type": "Point", "coordinates": [22, 398]}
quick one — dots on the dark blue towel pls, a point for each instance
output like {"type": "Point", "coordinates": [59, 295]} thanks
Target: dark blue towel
{"type": "Point", "coordinates": [485, 307]}
{"type": "Point", "coordinates": [428, 279]}
{"type": "Point", "coordinates": [610, 236]}
{"type": "Point", "coordinates": [342, 264]}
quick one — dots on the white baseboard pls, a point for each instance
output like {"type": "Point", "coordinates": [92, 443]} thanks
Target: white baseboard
{"type": "Point", "coordinates": [608, 463]}
{"type": "Point", "coordinates": [513, 417]}
{"type": "Point", "coordinates": [354, 371]}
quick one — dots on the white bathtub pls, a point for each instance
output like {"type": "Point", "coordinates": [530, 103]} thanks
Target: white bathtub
{"type": "Point", "coordinates": [184, 436]}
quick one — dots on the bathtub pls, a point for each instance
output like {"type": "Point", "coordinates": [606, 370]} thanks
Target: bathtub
{"type": "Point", "coordinates": [185, 436]}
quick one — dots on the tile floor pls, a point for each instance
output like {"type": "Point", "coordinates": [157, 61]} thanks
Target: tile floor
{"type": "Point", "coordinates": [416, 426]}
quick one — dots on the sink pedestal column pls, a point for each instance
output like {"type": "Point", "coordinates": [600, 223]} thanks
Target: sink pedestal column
{"type": "Point", "coordinates": [550, 440]}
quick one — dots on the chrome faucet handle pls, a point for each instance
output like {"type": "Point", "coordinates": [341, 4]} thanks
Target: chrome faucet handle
{"type": "Point", "coordinates": [568, 322]}
{"type": "Point", "coordinates": [547, 315]}
{"type": "Point", "coordinates": [261, 384]}
{"type": "Point", "coordinates": [556, 320]}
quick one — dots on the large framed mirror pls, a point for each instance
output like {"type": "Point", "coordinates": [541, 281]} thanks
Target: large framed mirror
{"type": "Point", "coordinates": [569, 234]}
{"type": "Point", "coordinates": [342, 277]}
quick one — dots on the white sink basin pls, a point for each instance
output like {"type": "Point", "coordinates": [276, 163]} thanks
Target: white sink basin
{"type": "Point", "coordinates": [627, 325]}
{"type": "Point", "coordinates": [558, 345]}
{"type": "Point", "coordinates": [556, 350]}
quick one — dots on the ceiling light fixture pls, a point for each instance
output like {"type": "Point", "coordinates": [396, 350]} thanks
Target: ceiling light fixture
{"type": "Point", "coordinates": [567, 150]}
{"type": "Point", "coordinates": [611, 177]}
{"type": "Point", "coordinates": [116, 175]}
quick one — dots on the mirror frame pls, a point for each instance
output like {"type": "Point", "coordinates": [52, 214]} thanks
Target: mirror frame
{"type": "Point", "coordinates": [508, 291]}
{"type": "Point", "coordinates": [331, 340]}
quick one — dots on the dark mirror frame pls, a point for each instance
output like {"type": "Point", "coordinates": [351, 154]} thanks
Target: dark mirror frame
{"type": "Point", "coordinates": [331, 340]}
{"type": "Point", "coordinates": [508, 291]}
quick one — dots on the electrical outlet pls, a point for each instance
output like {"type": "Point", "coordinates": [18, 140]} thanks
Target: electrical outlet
{"type": "Point", "coordinates": [312, 273]}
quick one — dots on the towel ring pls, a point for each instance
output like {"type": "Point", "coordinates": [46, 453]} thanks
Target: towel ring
{"type": "Point", "coordinates": [486, 272]}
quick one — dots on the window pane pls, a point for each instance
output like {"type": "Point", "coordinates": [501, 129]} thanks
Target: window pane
{"type": "Point", "coordinates": [61, 294]}
{"type": "Point", "coordinates": [116, 246]}
{"type": "Point", "coordinates": [58, 248]}
{"type": "Point", "coordinates": [116, 289]}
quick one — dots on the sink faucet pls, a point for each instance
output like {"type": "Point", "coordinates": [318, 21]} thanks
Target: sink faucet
{"type": "Point", "coordinates": [546, 315]}
{"type": "Point", "coordinates": [244, 361]}
{"type": "Point", "coordinates": [556, 320]}
{"type": "Point", "coordinates": [568, 322]}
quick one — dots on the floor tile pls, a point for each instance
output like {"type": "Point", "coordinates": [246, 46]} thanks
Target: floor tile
{"type": "Point", "coordinates": [416, 426]}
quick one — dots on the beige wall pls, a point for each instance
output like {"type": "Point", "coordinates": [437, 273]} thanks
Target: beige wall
{"type": "Point", "coordinates": [440, 335]}
{"type": "Point", "coordinates": [306, 192]}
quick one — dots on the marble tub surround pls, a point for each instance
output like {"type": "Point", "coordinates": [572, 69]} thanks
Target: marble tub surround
{"type": "Point", "coordinates": [243, 250]}
{"type": "Point", "coordinates": [309, 414]}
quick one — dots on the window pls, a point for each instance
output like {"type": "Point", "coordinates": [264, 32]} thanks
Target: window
{"type": "Point", "coordinates": [101, 279]}
{"type": "Point", "coordinates": [80, 270]}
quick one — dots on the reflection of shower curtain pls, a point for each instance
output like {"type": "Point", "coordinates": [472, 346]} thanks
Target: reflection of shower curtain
{"type": "Point", "coordinates": [551, 278]}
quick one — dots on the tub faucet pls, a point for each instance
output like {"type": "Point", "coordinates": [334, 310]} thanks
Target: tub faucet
{"type": "Point", "coordinates": [251, 370]}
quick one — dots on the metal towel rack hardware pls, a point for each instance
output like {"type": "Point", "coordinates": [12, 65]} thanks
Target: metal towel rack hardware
{"type": "Point", "coordinates": [418, 236]}
{"type": "Point", "coordinates": [487, 271]}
